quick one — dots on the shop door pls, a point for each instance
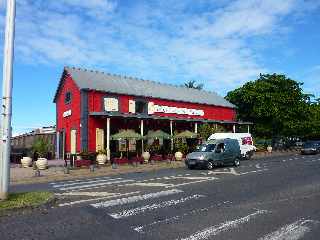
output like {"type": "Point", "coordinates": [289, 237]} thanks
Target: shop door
{"type": "Point", "coordinates": [60, 144]}
{"type": "Point", "coordinates": [99, 139]}
{"type": "Point", "coordinates": [73, 141]}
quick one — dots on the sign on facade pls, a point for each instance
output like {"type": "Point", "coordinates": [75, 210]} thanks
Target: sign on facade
{"type": "Point", "coordinates": [67, 113]}
{"type": "Point", "coordinates": [177, 110]}
{"type": "Point", "coordinates": [111, 104]}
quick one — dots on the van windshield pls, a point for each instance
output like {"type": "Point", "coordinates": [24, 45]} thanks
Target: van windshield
{"type": "Point", "coordinates": [205, 148]}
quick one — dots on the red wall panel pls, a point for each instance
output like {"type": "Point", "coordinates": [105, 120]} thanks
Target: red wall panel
{"type": "Point", "coordinates": [73, 121]}
{"type": "Point", "coordinates": [211, 112]}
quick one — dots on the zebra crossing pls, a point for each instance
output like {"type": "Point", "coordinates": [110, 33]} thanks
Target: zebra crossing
{"type": "Point", "coordinates": [149, 205]}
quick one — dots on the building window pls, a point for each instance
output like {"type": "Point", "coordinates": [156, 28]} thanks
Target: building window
{"type": "Point", "coordinates": [141, 107]}
{"type": "Point", "coordinates": [67, 97]}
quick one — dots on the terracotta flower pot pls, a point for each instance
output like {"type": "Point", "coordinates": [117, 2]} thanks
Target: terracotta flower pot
{"type": "Point", "coordinates": [42, 163]}
{"type": "Point", "coordinates": [178, 156]}
{"type": "Point", "coordinates": [26, 162]}
{"type": "Point", "coordinates": [101, 158]}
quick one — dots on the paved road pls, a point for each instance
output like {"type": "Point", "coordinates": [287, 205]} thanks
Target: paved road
{"type": "Point", "coordinates": [277, 198]}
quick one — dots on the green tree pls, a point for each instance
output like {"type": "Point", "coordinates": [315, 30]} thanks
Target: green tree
{"type": "Point", "coordinates": [41, 146]}
{"type": "Point", "coordinates": [193, 84]}
{"type": "Point", "coordinates": [275, 104]}
{"type": "Point", "coordinates": [206, 130]}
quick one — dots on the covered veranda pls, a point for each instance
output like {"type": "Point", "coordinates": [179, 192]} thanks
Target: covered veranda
{"type": "Point", "coordinates": [112, 123]}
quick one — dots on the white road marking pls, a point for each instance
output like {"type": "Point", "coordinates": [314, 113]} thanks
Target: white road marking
{"type": "Point", "coordinates": [137, 198]}
{"type": "Point", "coordinates": [85, 182]}
{"type": "Point", "coordinates": [292, 231]}
{"type": "Point", "coordinates": [258, 165]}
{"type": "Point", "coordinates": [231, 171]}
{"type": "Point", "coordinates": [314, 160]}
{"type": "Point", "coordinates": [223, 227]}
{"type": "Point", "coordinates": [141, 228]}
{"type": "Point", "coordinates": [188, 183]}
{"type": "Point", "coordinates": [255, 171]}
{"type": "Point", "coordinates": [139, 210]}
{"type": "Point", "coordinates": [93, 185]}
{"type": "Point", "coordinates": [89, 194]}
{"type": "Point", "coordinates": [97, 199]}
{"type": "Point", "coordinates": [77, 180]}
{"type": "Point", "coordinates": [145, 184]}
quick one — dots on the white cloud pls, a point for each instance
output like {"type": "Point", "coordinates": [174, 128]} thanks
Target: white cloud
{"type": "Point", "coordinates": [160, 40]}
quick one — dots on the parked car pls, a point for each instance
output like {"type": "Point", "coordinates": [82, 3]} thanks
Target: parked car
{"type": "Point", "coordinates": [245, 142]}
{"type": "Point", "coordinates": [311, 147]}
{"type": "Point", "coordinates": [215, 153]}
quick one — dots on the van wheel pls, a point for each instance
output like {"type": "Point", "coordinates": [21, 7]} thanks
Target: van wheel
{"type": "Point", "coordinates": [236, 162]}
{"type": "Point", "coordinates": [248, 156]}
{"type": "Point", "coordinates": [210, 165]}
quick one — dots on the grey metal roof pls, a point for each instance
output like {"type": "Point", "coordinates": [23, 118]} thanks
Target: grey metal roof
{"type": "Point", "coordinates": [95, 80]}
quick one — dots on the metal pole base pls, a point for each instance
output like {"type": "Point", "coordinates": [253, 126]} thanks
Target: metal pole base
{"type": "Point", "coordinates": [3, 196]}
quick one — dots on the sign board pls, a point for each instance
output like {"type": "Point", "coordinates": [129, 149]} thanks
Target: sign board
{"type": "Point", "coordinates": [111, 104]}
{"type": "Point", "coordinates": [67, 113]}
{"type": "Point", "coordinates": [177, 110]}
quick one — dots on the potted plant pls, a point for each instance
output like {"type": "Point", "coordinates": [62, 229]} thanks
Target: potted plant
{"type": "Point", "coordinates": [101, 157]}
{"type": "Point", "coordinates": [180, 149]}
{"type": "Point", "coordinates": [26, 161]}
{"type": "Point", "coordinates": [41, 147]}
{"type": "Point", "coordinates": [146, 153]}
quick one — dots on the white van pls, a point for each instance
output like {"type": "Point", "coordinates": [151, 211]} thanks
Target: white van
{"type": "Point", "coordinates": [245, 141]}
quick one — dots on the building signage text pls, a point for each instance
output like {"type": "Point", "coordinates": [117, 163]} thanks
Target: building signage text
{"type": "Point", "coordinates": [67, 113]}
{"type": "Point", "coordinates": [177, 110]}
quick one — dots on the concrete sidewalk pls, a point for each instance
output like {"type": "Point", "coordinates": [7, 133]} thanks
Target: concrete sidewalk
{"type": "Point", "coordinates": [55, 171]}
{"type": "Point", "coordinates": [20, 175]}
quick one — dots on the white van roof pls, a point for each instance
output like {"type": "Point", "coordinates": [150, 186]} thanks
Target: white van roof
{"type": "Point", "coordinates": [229, 135]}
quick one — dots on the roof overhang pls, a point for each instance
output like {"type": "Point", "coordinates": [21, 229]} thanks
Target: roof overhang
{"type": "Point", "coordinates": [144, 116]}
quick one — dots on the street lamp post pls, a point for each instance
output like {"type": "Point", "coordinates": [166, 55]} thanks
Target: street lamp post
{"type": "Point", "coordinates": [6, 100]}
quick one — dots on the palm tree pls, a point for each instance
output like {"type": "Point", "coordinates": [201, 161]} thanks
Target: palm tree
{"type": "Point", "coordinates": [192, 84]}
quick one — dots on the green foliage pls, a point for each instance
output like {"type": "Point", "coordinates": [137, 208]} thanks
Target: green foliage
{"type": "Point", "coordinates": [276, 105]}
{"type": "Point", "coordinates": [41, 146]}
{"type": "Point", "coordinates": [25, 199]}
{"type": "Point", "coordinates": [153, 148]}
{"type": "Point", "coordinates": [181, 146]}
{"type": "Point", "coordinates": [192, 84]}
{"type": "Point", "coordinates": [206, 130]}
{"type": "Point", "coordinates": [102, 151]}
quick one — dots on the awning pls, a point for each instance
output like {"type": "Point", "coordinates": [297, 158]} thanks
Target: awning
{"type": "Point", "coordinates": [144, 116]}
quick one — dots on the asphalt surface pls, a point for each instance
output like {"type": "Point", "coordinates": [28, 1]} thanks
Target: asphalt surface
{"type": "Point", "coordinates": [275, 198]}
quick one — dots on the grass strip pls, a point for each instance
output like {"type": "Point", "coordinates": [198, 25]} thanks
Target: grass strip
{"type": "Point", "coordinates": [25, 199]}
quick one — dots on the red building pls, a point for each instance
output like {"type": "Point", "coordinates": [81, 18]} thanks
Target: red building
{"type": "Point", "coordinates": [92, 105]}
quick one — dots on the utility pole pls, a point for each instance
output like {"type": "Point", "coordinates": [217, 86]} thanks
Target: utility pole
{"type": "Point", "coordinates": [7, 100]}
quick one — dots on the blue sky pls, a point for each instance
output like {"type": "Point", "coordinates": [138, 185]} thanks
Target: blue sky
{"type": "Point", "coordinates": [220, 43]}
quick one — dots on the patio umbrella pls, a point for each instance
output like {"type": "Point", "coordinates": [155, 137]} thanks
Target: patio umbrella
{"type": "Point", "coordinates": [186, 134]}
{"type": "Point", "coordinates": [126, 135]}
{"type": "Point", "coordinates": [158, 134]}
